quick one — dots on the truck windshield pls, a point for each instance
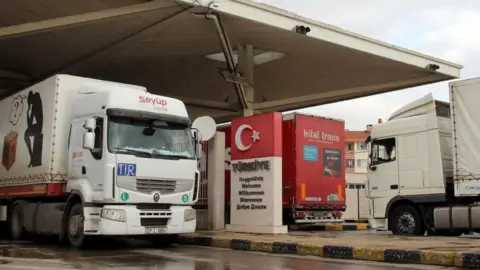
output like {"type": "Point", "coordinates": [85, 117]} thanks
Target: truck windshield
{"type": "Point", "coordinates": [150, 138]}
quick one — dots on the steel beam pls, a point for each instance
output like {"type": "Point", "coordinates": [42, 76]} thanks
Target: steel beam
{"type": "Point", "coordinates": [50, 24]}
{"type": "Point", "coordinates": [336, 95]}
{"type": "Point", "coordinates": [12, 75]}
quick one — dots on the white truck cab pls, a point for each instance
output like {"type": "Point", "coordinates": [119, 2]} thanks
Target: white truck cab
{"type": "Point", "coordinates": [114, 160]}
{"type": "Point", "coordinates": [411, 167]}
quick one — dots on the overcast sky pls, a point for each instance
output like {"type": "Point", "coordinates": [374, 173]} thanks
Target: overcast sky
{"type": "Point", "coordinates": [446, 29]}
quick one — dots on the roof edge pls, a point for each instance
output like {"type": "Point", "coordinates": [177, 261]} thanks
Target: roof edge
{"type": "Point", "coordinates": [337, 29]}
{"type": "Point", "coordinates": [281, 19]}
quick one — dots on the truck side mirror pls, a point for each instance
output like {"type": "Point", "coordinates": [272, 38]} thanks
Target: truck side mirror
{"type": "Point", "coordinates": [90, 124]}
{"type": "Point", "coordinates": [88, 140]}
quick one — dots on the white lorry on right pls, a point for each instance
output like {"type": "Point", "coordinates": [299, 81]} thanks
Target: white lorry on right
{"type": "Point", "coordinates": [424, 166]}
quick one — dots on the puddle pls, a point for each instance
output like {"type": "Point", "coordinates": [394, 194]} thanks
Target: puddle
{"type": "Point", "coordinates": [47, 251]}
{"type": "Point", "coordinates": [32, 253]}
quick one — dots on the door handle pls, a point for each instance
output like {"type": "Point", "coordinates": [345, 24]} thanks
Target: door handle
{"type": "Point", "coordinates": [393, 186]}
{"type": "Point", "coordinates": [84, 170]}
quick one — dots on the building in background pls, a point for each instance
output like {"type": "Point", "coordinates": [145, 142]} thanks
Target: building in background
{"type": "Point", "coordinates": [356, 161]}
{"type": "Point", "coordinates": [356, 155]}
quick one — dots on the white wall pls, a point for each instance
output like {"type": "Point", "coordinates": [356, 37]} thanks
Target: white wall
{"type": "Point", "coordinates": [357, 202]}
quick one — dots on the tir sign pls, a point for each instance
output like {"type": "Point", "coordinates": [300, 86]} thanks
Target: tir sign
{"type": "Point", "coordinates": [154, 101]}
{"type": "Point", "coordinates": [126, 169]}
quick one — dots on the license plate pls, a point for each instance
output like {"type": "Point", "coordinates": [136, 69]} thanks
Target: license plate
{"type": "Point", "coordinates": [319, 214]}
{"type": "Point", "coordinates": [155, 230]}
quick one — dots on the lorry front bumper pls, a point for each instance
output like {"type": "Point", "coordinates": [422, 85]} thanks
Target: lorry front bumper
{"type": "Point", "coordinates": [128, 220]}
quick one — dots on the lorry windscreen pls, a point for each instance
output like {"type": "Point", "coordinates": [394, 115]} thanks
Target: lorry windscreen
{"type": "Point", "coordinates": [150, 138]}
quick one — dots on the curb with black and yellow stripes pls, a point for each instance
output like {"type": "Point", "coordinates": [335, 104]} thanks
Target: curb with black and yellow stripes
{"type": "Point", "coordinates": [402, 256]}
{"type": "Point", "coordinates": [331, 227]}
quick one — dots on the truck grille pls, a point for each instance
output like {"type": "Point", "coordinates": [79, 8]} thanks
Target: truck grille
{"type": "Point", "coordinates": [163, 186]}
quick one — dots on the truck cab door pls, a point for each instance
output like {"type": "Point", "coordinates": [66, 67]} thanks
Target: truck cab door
{"type": "Point", "coordinates": [85, 163]}
{"type": "Point", "coordinates": [94, 158]}
{"type": "Point", "coordinates": [383, 181]}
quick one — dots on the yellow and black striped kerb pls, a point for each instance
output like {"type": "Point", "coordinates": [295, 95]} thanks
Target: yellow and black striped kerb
{"type": "Point", "coordinates": [332, 227]}
{"type": "Point", "coordinates": [402, 256]}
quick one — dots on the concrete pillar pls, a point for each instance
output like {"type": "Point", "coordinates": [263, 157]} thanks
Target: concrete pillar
{"type": "Point", "coordinates": [247, 66]}
{"type": "Point", "coordinates": [216, 182]}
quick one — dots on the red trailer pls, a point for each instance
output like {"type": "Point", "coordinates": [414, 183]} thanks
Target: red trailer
{"type": "Point", "coordinates": [313, 168]}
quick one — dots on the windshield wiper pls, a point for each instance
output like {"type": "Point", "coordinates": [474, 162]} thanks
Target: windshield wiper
{"type": "Point", "coordinates": [173, 157]}
{"type": "Point", "coordinates": [157, 153]}
{"type": "Point", "coordinates": [181, 156]}
{"type": "Point", "coordinates": [133, 152]}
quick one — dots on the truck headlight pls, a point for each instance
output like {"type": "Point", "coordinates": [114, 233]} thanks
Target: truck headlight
{"type": "Point", "coordinates": [189, 214]}
{"type": "Point", "coordinates": [114, 214]}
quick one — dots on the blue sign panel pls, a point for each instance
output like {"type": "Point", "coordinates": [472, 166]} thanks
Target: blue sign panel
{"type": "Point", "coordinates": [310, 153]}
{"type": "Point", "coordinates": [126, 169]}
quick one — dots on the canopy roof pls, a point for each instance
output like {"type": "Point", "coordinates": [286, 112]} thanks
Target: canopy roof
{"type": "Point", "coordinates": [164, 44]}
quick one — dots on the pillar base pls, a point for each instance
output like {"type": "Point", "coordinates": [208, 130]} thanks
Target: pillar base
{"type": "Point", "coordinates": [267, 229]}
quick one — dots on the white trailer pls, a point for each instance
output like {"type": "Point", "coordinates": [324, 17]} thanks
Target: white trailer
{"type": "Point", "coordinates": [424, 170]}
{"type": "Point", "coordinates": [84, 158]}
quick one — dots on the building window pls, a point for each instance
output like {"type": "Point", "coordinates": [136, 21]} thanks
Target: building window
{"type": "Point", "coordinates": [355, 186]}
{"type": "Point", "coordinates": [349, 147]}
{"type": "Point", "coordinates": [350, 163]}
{"type": "Point", "coordinates": [362, 146]}
{"type": "Point", "coordinates": [362, 163]}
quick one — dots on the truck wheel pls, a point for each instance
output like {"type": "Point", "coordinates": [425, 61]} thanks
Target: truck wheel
{"type": "Point", "coordinates": [76, 236]}
{"type": "Point", "coordinates": [406, 220]}
{"type": "Point", "coordinates": [17, 230]}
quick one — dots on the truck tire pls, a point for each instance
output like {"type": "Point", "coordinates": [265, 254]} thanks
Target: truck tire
{"type": "Point", "coordinates": [17, 230]}
{"type": "Point", "coordinates": [75, 233]}
{"type": "Point", "coordinates": [406, 220]}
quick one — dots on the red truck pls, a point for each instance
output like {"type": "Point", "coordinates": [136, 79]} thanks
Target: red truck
{"type": "Point", "coordinates": [313, 169]}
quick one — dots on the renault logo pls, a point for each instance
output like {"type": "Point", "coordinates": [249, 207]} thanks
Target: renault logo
{"type": "Point", "coordinates": [156, 197]}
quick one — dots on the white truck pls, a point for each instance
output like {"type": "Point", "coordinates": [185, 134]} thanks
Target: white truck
{"type": "Point", "coordinates": [424, 170]}
{"type": "Point", "coordinates": [84, 158]}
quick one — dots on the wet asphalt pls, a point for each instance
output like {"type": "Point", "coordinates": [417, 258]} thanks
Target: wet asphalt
{"type": "Point", "coordinates": [135, 255]}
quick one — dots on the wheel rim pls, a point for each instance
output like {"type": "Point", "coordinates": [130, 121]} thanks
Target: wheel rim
{"type": "Point", "coordinates": [406, 223]}
{"type": "Point", "coordinates": [75, 226]}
